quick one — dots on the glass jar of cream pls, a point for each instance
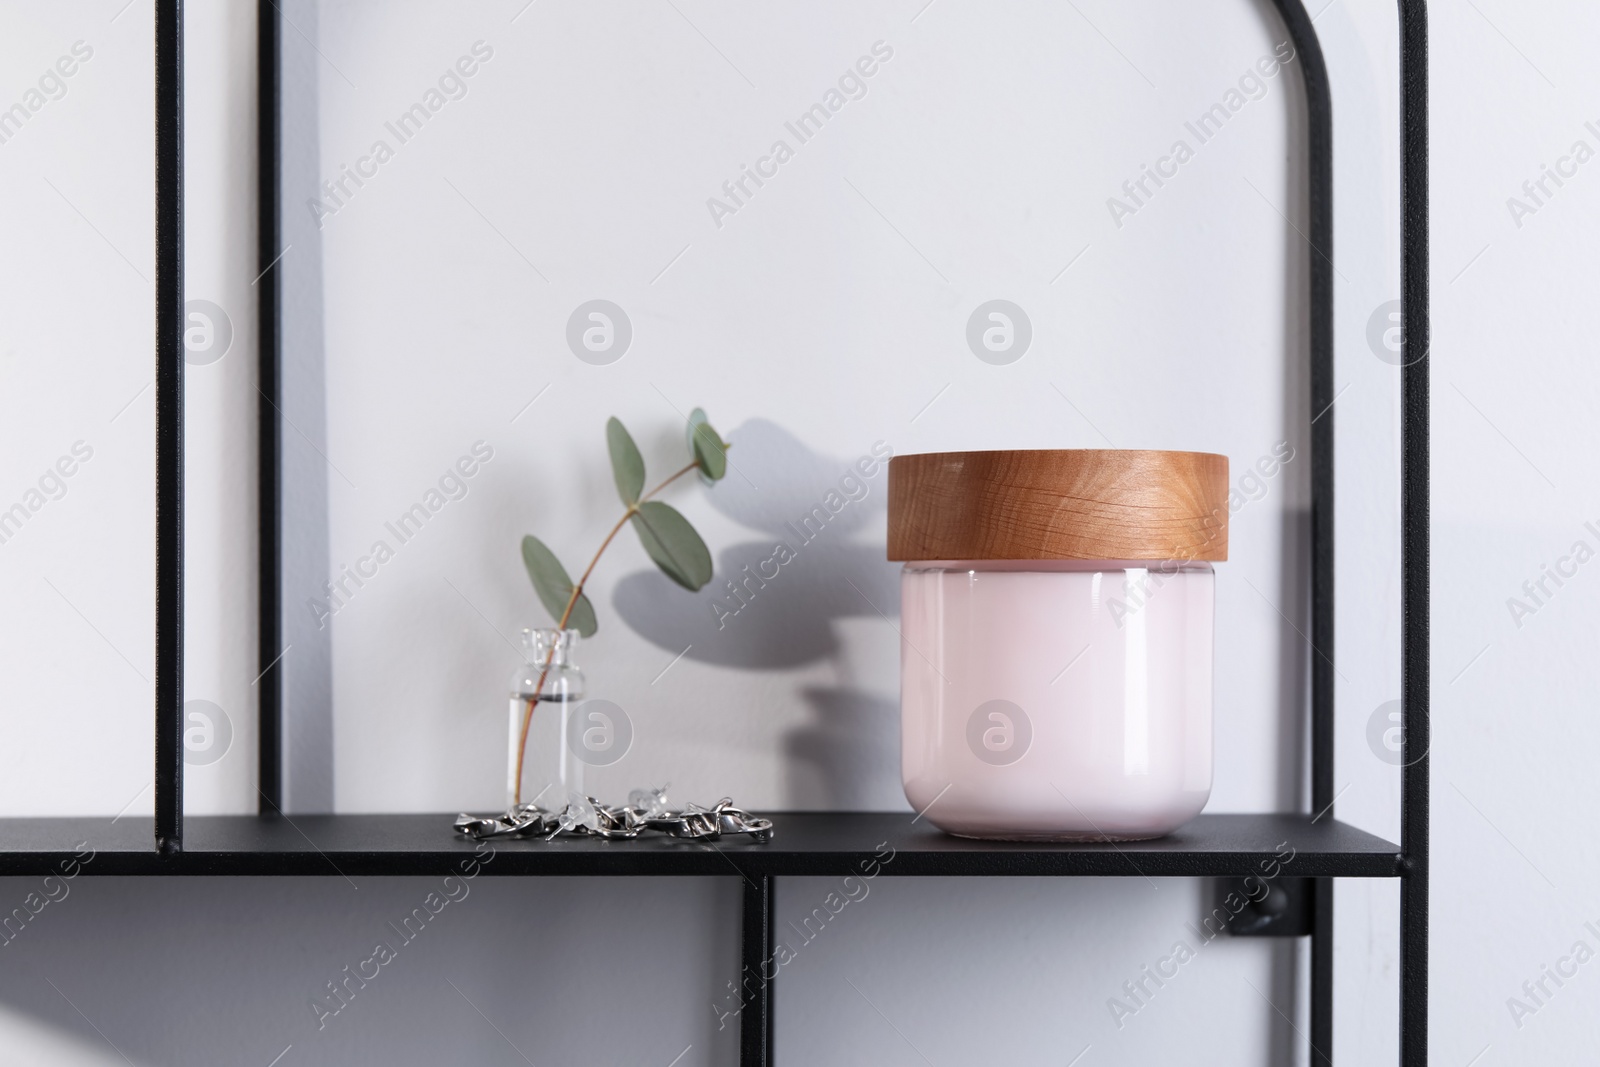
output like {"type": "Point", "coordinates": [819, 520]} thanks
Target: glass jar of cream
{"type": "Point", "coordinates": [1057, 634]}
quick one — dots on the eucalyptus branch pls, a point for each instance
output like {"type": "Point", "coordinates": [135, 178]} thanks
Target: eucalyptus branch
{"type": "Point", "coordinates": [668, 538]}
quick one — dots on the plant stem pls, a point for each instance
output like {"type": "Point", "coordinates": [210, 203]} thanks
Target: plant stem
{"type": "Point", "coordinates": [572, 602]}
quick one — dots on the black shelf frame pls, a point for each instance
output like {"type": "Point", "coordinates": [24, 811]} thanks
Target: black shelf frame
{"type": "Point", "coordinates": [170, 317]}
{"type": "Point", "coordinates": [807, 843]}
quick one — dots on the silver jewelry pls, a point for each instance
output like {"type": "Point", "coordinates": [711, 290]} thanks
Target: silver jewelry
{"type": "Point", "coordinates": [647, 809]}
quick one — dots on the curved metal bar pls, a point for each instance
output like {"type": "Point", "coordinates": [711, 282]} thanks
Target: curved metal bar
{"type": "Point", "coordinates": [1319, 203]}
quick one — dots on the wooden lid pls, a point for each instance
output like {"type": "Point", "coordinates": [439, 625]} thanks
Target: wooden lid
{"type": "Point", "coordinates": [1087, 503]}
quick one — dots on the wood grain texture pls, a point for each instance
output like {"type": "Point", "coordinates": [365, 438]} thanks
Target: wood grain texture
{"type": "Point", "coordinates": [1127, 504]}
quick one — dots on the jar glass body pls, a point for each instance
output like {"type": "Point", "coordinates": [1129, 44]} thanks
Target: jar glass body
{"type": "Point", "coordinates": [1057, 700]}
{"type": "Point", "coordinates": [550, 771]}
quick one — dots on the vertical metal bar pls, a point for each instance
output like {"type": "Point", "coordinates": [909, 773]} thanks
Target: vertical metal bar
{"type": "Point", "coordinates": [269, 715]}
{"type": "Point", "coordinates": [169, 426]}
{"type": "Point", "coordinates": [1319, 203]}
{"type": "Point", "coordinates": [1322, 973]}
{"type": "Point", "coordinates": [1414, 429]}
{"type": "Point", "coordinates": [755, 984]}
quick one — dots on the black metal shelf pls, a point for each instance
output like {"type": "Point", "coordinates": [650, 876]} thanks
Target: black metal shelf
{"type": "Point", "coordinates": [804, 843]}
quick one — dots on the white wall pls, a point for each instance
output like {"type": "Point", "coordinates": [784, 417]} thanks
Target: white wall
{"type": "Point", "coordinates": [1515, 381]}
{"type": "Point", "coordinates": [991, 140]}
{"type": "Point", "coordinates": [76, 317]}
{"type": "Point", "coordinates": [805, 325]}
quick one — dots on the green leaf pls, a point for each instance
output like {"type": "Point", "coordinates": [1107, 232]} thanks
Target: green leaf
{"type": "Point", "coordinates": [550, 578]}
{"type": "Point", "coordinates": [554, 586]}
{"type": "Point", "coordinates": [673, 544]}
{"type": "Point", "coordinates": [627, 466]}
{"type": "Point", "coordinates": [710, 452]}
{"type": "Point", "coordinates": [582, 618]}
{"type": "Point", "coordinates": [697, 417]}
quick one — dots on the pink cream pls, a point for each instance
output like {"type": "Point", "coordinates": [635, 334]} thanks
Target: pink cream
{"type": "Point", "coordinates": [1057, 700]}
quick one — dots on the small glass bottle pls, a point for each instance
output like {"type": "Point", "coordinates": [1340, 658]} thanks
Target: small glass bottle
{"type": "Point", "coordinates": [549, 770]}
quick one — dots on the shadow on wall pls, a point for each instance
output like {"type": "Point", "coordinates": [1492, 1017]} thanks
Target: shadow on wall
{"type": "Point", "coordinates": [837, 761]}
{"type": "Point", "coordinates": [479, 970]}
{"type": "Point", "coordinates": [773, 600]}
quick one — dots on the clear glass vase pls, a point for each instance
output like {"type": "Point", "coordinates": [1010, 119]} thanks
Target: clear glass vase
{"type": "Point", "coordinates": [549, 770]}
